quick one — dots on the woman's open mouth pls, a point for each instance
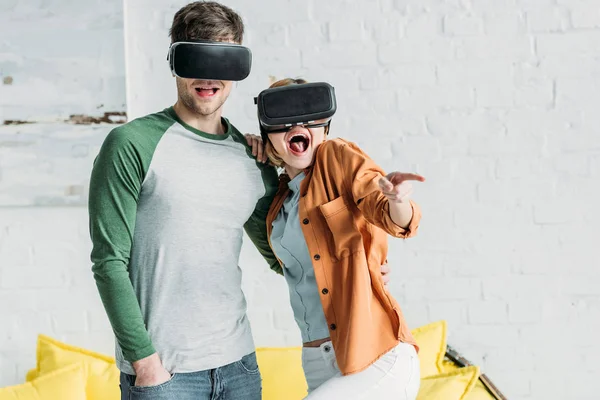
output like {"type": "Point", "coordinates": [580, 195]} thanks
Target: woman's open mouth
{"type": "Point", "coordinates": [298, 143]}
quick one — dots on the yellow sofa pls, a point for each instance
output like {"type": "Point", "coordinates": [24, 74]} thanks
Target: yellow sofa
{"type": "Point", "coordinates": [71, 373]}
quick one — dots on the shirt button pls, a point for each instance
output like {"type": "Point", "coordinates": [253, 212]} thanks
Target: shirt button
{"type": "Point", "coordinates": [327, 349]}
{"type": "Point", "coordinates": [332, 326]}
{"type": "Point", "coordinates": [325, 291]}
{"type": "Point", "coordinates": [305, 221]}
{"type": "Point", "coordinates": [317, 257]}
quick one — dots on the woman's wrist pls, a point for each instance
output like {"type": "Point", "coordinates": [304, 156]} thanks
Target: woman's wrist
{"type": "Point", "coordinates": [401, 213]}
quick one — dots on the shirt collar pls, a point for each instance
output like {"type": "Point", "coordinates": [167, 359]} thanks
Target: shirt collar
{"type": "Point", "coordinates": [294, 184]}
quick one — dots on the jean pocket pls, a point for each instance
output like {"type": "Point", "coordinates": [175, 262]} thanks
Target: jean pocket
{"type": "Point", "coordinates": [249, 364]}
{"type": "Point", "coordinates": [407, 370]}
{"type": "Point", "coordinates": [148, 389]}
{"type": "Point", "coordinates": [414, 383]}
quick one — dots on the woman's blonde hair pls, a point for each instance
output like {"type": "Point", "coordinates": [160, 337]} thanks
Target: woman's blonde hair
{"type": "Point", "coordinates": [269, 149]}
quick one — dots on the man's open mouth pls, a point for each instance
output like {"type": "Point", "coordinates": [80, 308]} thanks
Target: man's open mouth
{"type": "Point", "coordinates": [298, 143]}
{"type": "Point", "coordinates": [206, 91]}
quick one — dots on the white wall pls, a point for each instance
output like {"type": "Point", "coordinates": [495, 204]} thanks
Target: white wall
{"type": "Point", "coordinates": [495, 102]}
{"type": "Point", "coordinates": [60, 57]}
{"type": "Point", "coordinates": [57, 58]}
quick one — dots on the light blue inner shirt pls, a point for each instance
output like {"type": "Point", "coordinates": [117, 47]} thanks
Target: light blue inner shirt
{"type": "Point", "coordinates": [290, 247]}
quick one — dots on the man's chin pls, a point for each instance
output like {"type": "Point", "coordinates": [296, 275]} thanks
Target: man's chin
{"type": "Point", "coordinates": [205, 109]}
{"type": "Point", "coordinates": [203, 106]}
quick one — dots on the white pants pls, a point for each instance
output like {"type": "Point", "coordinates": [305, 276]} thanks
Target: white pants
{"type": "Point", "coordinates": [396, 375]}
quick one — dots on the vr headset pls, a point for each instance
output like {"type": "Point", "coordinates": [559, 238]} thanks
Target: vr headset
{"type": "Point", "coordinates": [203, 59]}
{"type": "Point", "coordinates": [281, 108]}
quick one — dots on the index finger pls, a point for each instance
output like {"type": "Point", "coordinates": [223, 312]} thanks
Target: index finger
{"type": "Point", "coordinates": [412, 177]}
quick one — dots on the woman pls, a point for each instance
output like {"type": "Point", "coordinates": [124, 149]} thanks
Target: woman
{"type": "Point", "coordinates": [328, 227]}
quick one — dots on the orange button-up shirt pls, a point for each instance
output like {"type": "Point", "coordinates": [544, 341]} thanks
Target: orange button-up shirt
{"type": "Point", "coordinates": [345, 220]}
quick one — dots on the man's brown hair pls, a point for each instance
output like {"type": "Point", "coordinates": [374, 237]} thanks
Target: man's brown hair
{"type": "Point", "coordinates": [206, 20]}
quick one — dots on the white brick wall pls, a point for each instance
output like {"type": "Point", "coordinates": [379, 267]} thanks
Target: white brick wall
{"type": "Point", "coordinates": [60, 57]}
{"type": "Point", "coordinates": [495, 102]}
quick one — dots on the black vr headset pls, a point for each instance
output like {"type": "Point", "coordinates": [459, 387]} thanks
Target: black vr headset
{"type": "Point", "coordinates": [281, 108]}
{"type": "Point", "coordinates": [203, 59]}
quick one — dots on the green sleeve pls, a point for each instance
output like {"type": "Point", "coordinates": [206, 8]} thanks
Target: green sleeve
{"type": "Point", "coordinates": [115, 185]}
{"type": "Point", "coordinates": [256, 226]}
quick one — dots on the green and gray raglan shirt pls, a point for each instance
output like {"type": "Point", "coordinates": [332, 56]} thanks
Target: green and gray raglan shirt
{"type": "Point", "coordinates": [167, 205]}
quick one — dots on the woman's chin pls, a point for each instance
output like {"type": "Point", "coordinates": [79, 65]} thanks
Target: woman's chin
{"type": "Point", "coordinates": [299, 164]}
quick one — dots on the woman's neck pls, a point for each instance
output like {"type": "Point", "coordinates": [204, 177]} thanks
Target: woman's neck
{"type": "Point", "coordinates": [292, 172]}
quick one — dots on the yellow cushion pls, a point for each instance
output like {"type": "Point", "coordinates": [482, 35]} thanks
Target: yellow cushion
{"type": "Point", "coordinates": [449, 366]}
{"type": "Point", "coordinates": [479, 391]}
{"type": "Point", "coordinates": [67, 383]}
{"type": "Point", "coordinates": [449, 386]}
{"type": "Point", "coordinates": [431, 339]}
{"type": "Point", "coordinates": [281, 371]}
{"type": "Point", "coordinates": [101, 371]}
{"type": "Point", "coordinates": [31, 375]}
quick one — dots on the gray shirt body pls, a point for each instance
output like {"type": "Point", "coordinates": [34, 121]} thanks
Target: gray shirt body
{"type": "Point", "coordinates": [168, 205]}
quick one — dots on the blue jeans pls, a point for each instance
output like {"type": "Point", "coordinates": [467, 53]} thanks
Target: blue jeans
{"type": "Point", "coordinates": [237, 381]}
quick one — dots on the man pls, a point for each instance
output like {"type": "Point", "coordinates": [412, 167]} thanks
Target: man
{"type": "Point", "coordinates": [169, 195]}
